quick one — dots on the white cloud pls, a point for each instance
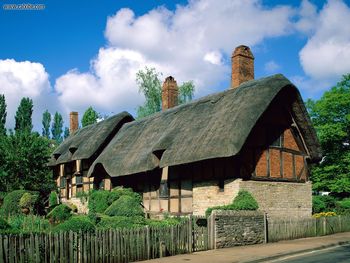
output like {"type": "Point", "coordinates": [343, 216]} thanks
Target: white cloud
{"type": "Point", "coordinates": [308, 17]}
{"type": "Point", "coordinates": [271, 66]}
{"type": "Point", "coordinates": [326, 56]}
{"type": "Point", "coordinates": [213, 57]}
{"type": "Point", "coordinates": [24, 79]}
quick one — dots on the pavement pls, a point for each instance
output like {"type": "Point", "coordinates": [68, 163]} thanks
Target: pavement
{"type": "Point", "coordinates": [261, 252]}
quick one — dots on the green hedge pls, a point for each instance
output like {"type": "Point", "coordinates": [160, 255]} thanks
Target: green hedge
{"type": "Point", "coordinates": [243, 201]}
{"type": "Point", "coordinates": [76, 224]}
{"type": "Point", "coordinates": [60, 214]}
{"type": "Point", "coordinates": [11, 203]}
{"type": "Point", "coordinates": [100, 200]}
{"type": "Point", "coordinates": [125, 206]}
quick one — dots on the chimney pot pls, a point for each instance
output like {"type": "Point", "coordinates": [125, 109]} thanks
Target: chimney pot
{"type": "Point", "coordinates": [242, 66]}
{"type": "Point", "coordinates": [170, 93]}
{"type": "Point", "coordinates": [73, 122]}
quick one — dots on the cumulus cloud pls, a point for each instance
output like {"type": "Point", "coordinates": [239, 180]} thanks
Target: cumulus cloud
{"type": "Point", "coordinates": [326, 55]}
{"type": "Point", "coordinates": [193, 42]}
{"type": "Point", "coordinates": [24, 79]}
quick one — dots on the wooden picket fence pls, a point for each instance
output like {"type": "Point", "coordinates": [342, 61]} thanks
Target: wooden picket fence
{"type": "Point", "coordinates": [127, 245]}
{"type": "Point", "coordinates": [311, 227]}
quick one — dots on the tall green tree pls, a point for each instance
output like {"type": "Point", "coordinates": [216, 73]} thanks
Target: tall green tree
{"type": "Point", "coordinates": [66, 133]}
{"type": "Point", "coordinates": [90, 117]}
{"type": "Point", "coordinates": [57, 127]}
{"type": "Point", "coordinates": [46, 121]}
{"type": "Point", "coordinates": [331, 118]}
{"type": "Point", "coordinates": [148, 81]}
{"type": "Point", "coordinates": [23, 116]}
{"type": "Point", "coordinates": [3, 115]}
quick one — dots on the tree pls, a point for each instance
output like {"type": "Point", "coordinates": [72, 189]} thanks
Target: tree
{"type": "Point", "coordinates": [23, 116]}
{"type": "Point", "coordinates": [46, 124]}
{"type": "Point", "coordinates": [66, 133]}
{"type": "Point", "coordinates": [3, 115]}
{"type": "Point", "coordinates": [331, 118]}
{"type": "Point", "coordinates": [90, 117]}
{"type": "Point", "coordinates": [150, 85]}
{"type": "Point", "coordinates": [57, 127]}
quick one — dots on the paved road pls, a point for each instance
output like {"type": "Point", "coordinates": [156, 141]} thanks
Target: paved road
{"type": "Point", "coordinates": [335, 255]}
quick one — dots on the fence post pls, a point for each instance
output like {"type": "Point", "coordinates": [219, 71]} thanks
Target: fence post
{"type": "Point", "coordinates": [324, 226]}
{"type": "Point", "coordinates": [190, 232]}
{"type": "Point", "coordinates": [265, 228]}
{"type": "Point", "coordinates": [148, 241]}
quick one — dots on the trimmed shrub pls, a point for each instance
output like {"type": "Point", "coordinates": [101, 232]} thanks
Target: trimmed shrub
{"type": "Point", "coordinates": [76, 224]}
{"type": "Point", "coordinates": [53, 199]}
{"type": "Point", "coordinates": [28, 200]}
{"type": "Point", "coordinates": [60, 214]}
{"type": "Point", "coordinates": [243, 201]}
{"type": "Point", "coordinates": [100, 200]}
{"type": "Point", "coordinates": [125, 206]}
{"type": "Point", "coordinates": [4, 225]}
{"type": "Point", "coordinates": [11, 203]}
{"type": "Point", "coordinates": [112, 222]}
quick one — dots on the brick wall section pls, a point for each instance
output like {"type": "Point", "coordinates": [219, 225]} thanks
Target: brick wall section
{"type": "Point", "coordinates": [277, 199]}
{"type": "Point", "coordinates": [238, 228]}
{"type": "Point", "coordinates": [281, 200]}
{"type": "Point", "coordinates": [207, 194]}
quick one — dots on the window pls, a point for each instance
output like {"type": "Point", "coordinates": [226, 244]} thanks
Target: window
{"type": "Point", "coordinates": [63, 182]}
{"type": "Point", "coordinates": [163, 189]}
{"type": "Point", "coordinates": [78, 180]}
{"type": "Point", "coordinates": [275, 136]}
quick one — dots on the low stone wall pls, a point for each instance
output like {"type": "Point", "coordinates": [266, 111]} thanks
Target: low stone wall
{"type": "Point", "coordinates": [237, 228]}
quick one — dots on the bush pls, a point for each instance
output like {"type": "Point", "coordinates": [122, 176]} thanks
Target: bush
{"type": "Point", "coordinates": [11, 203]}
{"type": "Point", "coordinates": [323, 203]}
{"type": "Point", "coordinates": [59, 214]}
{"type": "Point", "coordinates": [76, 224]}
{"type": "Point", "coordinates": [28, 200]}
{"type": "Point", "coordinates": [243, 201]}
{"type": "Point", "coordinates": [53, 199]}
{"type": "Point", "coordinates": [343, 207]}
{"type": "Point", "coordinates": [100, 200]}
{"type": "Point", "coordinates": [125, 206]}
{"type": "Point", "coordinates": [4, 225]}
{"type": "Point", "coordinates": [113, 222]}
{"type": "Point", "coordinates": [171, 221]}
{"type": "Point", "coordinates": [28, 224]}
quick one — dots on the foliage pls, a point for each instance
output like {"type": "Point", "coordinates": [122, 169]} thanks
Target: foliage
{"type": "Point", "coordinates": [76, 224]}
{"type": "Point", "coordinates": [3, 115]}
{"type": "Point", "coordinates": [4, 225]}
{"type": "Point", "coordinates": [11, 203]}
{"type": "Point", "coordinates": [83, 196]}
{"type": "Point", "coordinates": [323, 203]}
{"type": "Point", "coordinates": [46, 121]}
{"type": "Point", "coordinates": [24, 116]}
{"type": "Point", "coordinates": [343, 207]}
{"type": "Point", "coordinates": [100, 200]}
{"type": "Point", "coordinates": [60, 214]}
{"type": "Point", "coordinates": [28, 200]}
{"type": "Point", "coordinates": [57, 128]}
{"type": "Point", "coordinates": [23, 165]}
{"type": "Point", "coordinates": [28, 224]}
{"type": "Point", "coordinates": [53, 199]}
{"type": "Point", "coordinates": [125, 206]}
{"type": "Point", "coordinates": [112, 222]}
{"type": "Point", "coordinates": [66, 133]}
{"type": "Point", "coordinates": [170, 221]}
{"type": "Point", "coordinates": [324, 214]}
{"type": "Point", "coordinates": [243, 201]}
{"type": "Point", "coordinates": [331, 118]}
{"type": "Point", "coordinates": [150, 86]}
{"type": "Point", "coordinates": [90, 117]}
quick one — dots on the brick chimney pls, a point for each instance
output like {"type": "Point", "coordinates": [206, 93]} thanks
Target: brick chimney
{"type": "Point", "coordinates": [242, 66]}
{"type": "Point", "coordinates": [170, 93]}
{"type": "Point", "coordinates": [73, 122]}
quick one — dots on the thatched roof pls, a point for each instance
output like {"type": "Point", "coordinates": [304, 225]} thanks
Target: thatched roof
{"type": "Point", "coordinates": [211, 127]}
{"type": "Point", "coordinates": [85, 142]}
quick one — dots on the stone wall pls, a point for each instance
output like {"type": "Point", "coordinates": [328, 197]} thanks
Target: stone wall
{"type": "Point", "coordinates": [277, 199]}
{"type": "Point", "coordinates": [281, 200]}
{"type": "Point", "coordinates": [238, 228]}
{"type": "Point", "coordinates": [82, 207]}
{"type": "Point", "coordinates": [207, 194]}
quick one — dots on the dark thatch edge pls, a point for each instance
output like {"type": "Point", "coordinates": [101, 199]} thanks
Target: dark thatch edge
{"type": "Point", "coordinates": [214, 126]}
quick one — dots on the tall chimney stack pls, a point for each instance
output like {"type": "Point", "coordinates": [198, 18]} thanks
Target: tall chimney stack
{"type": "Point", "coordinates": [73, 122]}
{"type": "Point", "coordinates": [242, 66]}
{"type": "Point", "coordinates": [170, 93]}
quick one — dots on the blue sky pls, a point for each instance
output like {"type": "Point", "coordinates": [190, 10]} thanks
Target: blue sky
{"type": "Point", "coordinates": [74, 54]}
